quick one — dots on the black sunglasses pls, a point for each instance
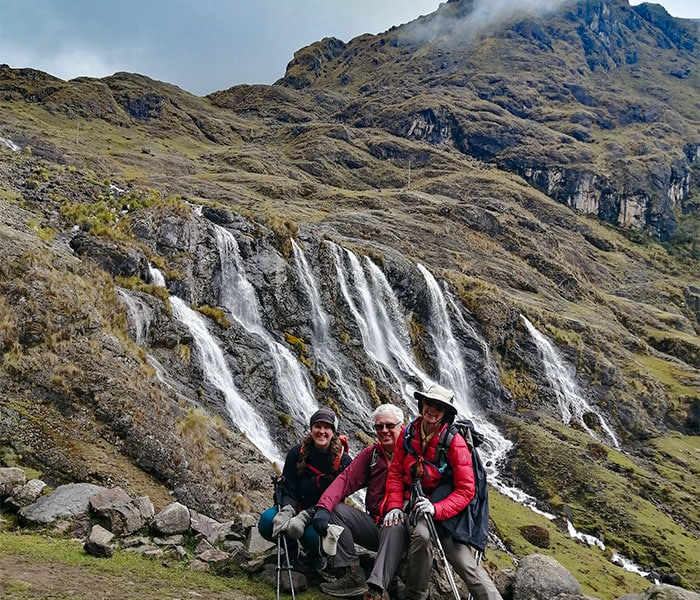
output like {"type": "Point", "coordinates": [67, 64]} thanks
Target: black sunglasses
{"type": "Point", "coordinates": [389, 426]}
{"type": "Point", "coordinates": [434, 404]}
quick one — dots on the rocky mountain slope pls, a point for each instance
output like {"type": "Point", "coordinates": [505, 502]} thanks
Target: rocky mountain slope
{"type": "Point", "coordinates": [542, 168]}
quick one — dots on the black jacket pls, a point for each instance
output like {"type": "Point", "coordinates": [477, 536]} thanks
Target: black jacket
{"type": "Point", "coordinates": [471, 526]}
{"type": "Point", "coordinates": [303, 490]}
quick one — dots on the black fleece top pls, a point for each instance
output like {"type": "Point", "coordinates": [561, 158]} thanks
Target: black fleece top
{"type": "Point", "coordinates": [303, 490]}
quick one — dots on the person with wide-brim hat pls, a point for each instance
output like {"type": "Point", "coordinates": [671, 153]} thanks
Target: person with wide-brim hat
{"type": "Point", "coordinates": [415, 459]}
{"type": "Point", "coordinates": [309, 468]}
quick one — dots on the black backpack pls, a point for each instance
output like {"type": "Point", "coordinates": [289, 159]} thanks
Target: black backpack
{"type": "Point", "coordinates": [471, 525]}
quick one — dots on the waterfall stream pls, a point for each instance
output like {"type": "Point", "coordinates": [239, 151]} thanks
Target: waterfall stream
{"type": "Point", "coordinates": [324, 346]}
{"type": "Point", "coordinates": [453, 374]}
{"type": "Point", "coordinates": [217, 373]}
{"type": "Point", "coordinates": [381, 338]}
{"type": "Point", "coordinates": [9, 144]}
{"type": "Point", "coordinates": [572, 405]}
{"type": "Point", "coordinates": [238, 296]}
{"type": "Point", "coordinates": [138, 315]}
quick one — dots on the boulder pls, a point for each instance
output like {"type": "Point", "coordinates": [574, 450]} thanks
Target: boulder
{"type": "Point", "coordinates": [540, 577]}
{"type": "Point", "coordinates": [198, 565]}
{"type": "Point", "coordinates": [134, 542]}
{"type": "Point", "coordinates": [203, 545]}
{"type": "Point", "coordinates": [70, 500]}
{"type": "Point", "coordinates": [210, 528]}
{"type": "Point", "coordinates": [145, 506]}
{"type": "Point", "coordinates": [669, 592]}
{"type": "Point", "coordinates": [121, 518]}
{"type": "Point", "coordinates": [10, 479]}
{"type": "Point", "coordinates": [107, 497]}
{"type": "Point", "coordinates": [174, 518]}
{"type": "Point", "coordinates": [26, 494]}
{"type": "Point", "coordinates": [98, 543]}
{"type": "Point", "coordinates": [237, 552]}
{"type": "Point", "coordinates": [257, 544]}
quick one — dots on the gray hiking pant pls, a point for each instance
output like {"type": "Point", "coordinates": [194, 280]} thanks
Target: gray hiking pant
{"type": "Point", "coordinates": [359, 528]}
{"type": "Point", "coordinates": [460, 556]}
{"type": "Point", "coordinates": [393, 542]}
{"type": "Point", "coordinates": [390, 543]}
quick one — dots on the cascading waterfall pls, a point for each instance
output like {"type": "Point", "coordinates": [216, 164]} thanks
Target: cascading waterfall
{"type": "Point", "coordinates": [138, 314]}
{"type": "Point", "coordinates": [380, 338]}
{"type": "Point", "coordinates": [10, 144]}
{"type": "Point", "coordinates": [489, 367]}
{"type": "Point", "coordinates": [572, 405]}
{"type": "Point", "coordinates": [453, 373]}
{"type": "Point", "coordinates": [217, 373]}
{"type": "Point", "coordinates": [393, 323]}
{"type": "Point", "coordinates": [324, 346]}
{"type": "Point", "coordinates": [238, 296]}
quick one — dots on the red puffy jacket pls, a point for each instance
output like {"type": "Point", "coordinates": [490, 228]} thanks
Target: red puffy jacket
{"type": "Point", "coordinates": [398, 483]}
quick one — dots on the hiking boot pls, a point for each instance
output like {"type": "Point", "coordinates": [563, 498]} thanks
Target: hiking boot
{"type": "Point", "coordinates": [353, 583]}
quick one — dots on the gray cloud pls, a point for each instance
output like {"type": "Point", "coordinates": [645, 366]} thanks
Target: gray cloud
{"type": "Point", "coordinates": [480, 16]}
{"type": "Point", "coordinates": [200, 45]}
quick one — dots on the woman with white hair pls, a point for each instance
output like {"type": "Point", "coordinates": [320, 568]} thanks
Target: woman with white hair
{"type": "Point", "coordinates": [368, 470]}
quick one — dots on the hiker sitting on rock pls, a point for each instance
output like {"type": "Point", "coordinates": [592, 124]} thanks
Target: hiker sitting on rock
{"type": "Point", "coordinates": [369, 470]}
{"type": "Point", "coordinates": [309, 468]}
{"type": "Point", "coordinates": [427, 461]}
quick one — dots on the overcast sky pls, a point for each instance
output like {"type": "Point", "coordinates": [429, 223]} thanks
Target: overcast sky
{"type": "Point", "coordinates": [199, 45]}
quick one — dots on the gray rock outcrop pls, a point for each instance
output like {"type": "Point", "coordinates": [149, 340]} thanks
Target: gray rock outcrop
{"type": "Point", "coordinates": [70, 500]}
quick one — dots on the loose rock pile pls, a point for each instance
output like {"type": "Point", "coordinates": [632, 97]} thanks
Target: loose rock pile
{"type": "Point", "coordinates": [131, 524]}
{"type": "Point", "coordinates": [109, 519]}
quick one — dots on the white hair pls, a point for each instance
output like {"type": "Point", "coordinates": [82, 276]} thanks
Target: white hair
{"type": "Point", "coordinates": [388, 409]}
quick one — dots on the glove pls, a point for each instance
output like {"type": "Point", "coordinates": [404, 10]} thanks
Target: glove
{"type": "Point", "coordinates": [423, 506]}
{"type": "Point", "coordinates": [393, 517]}
{"type": "Point", "coordinates": [281, 520]}
{"type": "Point", "coordinates": [297, 525]}
{"type": "Point", "coordinates": [321, 520]}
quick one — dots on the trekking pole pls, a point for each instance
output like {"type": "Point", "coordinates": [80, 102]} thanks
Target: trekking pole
{"type": "Point", "coordinates": [417, 492]}
{"type": "Point", "coordinates": [281, 540]}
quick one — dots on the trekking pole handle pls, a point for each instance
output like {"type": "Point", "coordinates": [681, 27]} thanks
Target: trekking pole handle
{"type": "Point", "coordinates": [277, 481]}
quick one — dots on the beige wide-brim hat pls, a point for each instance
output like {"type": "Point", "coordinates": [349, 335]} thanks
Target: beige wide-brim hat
{"type": "Point", "coordinates": [329, 542]}
{"type": "Point", "coordinates": [437, 393]}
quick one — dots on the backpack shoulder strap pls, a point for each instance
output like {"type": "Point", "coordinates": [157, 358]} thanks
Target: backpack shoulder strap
{"type": "Point", "coordinates": [443, 447]}
{"type": "Point", "coordinates": [408, 434]}
{"type": "Point", "coordinates": [375, 458]}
